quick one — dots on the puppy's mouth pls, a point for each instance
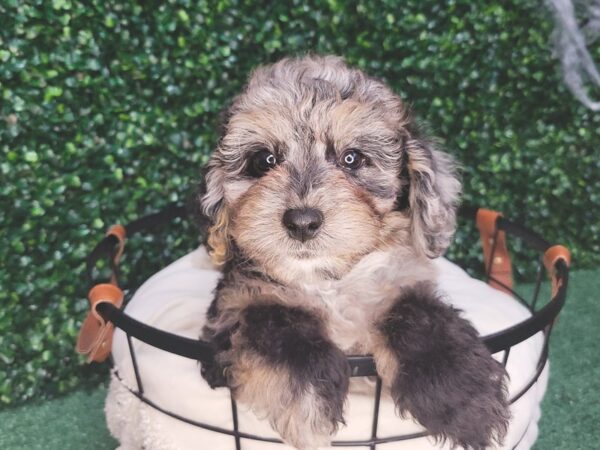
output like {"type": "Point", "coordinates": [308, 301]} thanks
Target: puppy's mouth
{"type": "Point", "coordinates": [304, 253]}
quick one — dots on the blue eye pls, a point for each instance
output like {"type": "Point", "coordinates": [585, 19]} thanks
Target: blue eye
{"type": "Point", "coordinates": [352, 159]}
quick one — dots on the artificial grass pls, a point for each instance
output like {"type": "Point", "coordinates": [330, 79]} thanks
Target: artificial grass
{"type": "Point", "coordinates": [570, 412]}
{"type": "Point", "coordinates": [571, 407]}
{"type": "Point", "coordinates": [74, 422]}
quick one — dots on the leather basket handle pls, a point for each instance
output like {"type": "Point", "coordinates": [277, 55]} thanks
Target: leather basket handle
{"type": "Point", "coordinates": [95, 335]}
{"type": "Point", "coordinates": [497, 261]}
{"type": "Point", "coordinates": [551, 257]}
{"type": "Point", "coordinates": [117, 231]}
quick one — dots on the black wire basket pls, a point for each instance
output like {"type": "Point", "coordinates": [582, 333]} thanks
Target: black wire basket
{"type": "Point", "coordinates": [107, 312]}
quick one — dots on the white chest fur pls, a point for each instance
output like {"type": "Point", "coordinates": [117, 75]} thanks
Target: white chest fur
{"type": "Point", "coordinates": [354, 303]}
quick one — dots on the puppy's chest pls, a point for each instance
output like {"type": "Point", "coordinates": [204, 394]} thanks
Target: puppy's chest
{"type": "Point", "coordinates": [355, 304]}
{"type": "Point", "coordinates": [351, 313]}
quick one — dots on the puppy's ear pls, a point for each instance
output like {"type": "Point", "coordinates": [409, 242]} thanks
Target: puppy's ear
{"type": "Point", "coordinates": [431, 196]}
{"type": "Point", "coordinates": [212, 214]}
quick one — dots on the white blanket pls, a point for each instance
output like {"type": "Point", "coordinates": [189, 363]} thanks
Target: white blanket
{"type": "Point", "coordinates": [175, 300]}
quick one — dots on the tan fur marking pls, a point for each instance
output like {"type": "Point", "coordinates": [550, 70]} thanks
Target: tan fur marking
{"type": "Point", "coordinates": [297, 415]}
{"type": "Point", "coordinates": [385, 361]}
{"type": "Point", "coordinates": [218, 238]}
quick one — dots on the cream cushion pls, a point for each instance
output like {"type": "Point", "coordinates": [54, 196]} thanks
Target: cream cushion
{"type": "Point", "coordinates": [176, 299]}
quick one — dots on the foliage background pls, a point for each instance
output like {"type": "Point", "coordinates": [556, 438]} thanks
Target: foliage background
{"type": "Point", "coordinates": [108, 111]}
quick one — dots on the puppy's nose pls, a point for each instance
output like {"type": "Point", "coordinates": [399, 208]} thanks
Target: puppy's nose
{"type": "Point", "coordinates": [303, 223]}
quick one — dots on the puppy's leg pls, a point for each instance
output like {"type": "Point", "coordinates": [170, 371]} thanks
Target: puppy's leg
{"type": "Point", "coordinates": [284, 367]}
{"type": "Point", "coordinates": [440, 372]}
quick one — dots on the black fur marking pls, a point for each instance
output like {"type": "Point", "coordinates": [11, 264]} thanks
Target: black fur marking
{"type": "Point", "coordinates": [402, 200]}
{"type": "Point", "coordinates": [369, 183]}
{"type": "Point", "coordinates": [213, 309]}
{"type": "Point", "coordinates": [295, 339]}
{"type": "Point", "coordinates": [347, 92]}
{"type": "Point", "coordinates": [447, 379]}
{"type": "Point", "coordinates": [212, 370]}
{"type": "Point", "coordinates": [330, 153]}
{"type": "Point", "coordinates": [239, 266]}
{"type": "Point", "coordinates": [378, 190]}
{"type": "Point", "coordinates": [423, 181]}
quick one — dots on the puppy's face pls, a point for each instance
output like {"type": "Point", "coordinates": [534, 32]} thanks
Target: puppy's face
{"type": "Point", "coordinates": [317, 167]}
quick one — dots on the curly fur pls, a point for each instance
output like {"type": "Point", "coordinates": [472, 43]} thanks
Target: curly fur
{"type": "Point", "coordinates": [286, 311]}
{"type": "Point", "coordinates": [445, 376]}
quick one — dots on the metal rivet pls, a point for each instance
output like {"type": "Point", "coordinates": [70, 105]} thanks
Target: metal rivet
{"type": "Point", "coordinates": [498, 260]}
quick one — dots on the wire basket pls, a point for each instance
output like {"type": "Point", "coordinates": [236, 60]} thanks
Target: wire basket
{"type": "Point", "coordinates": [107, 301]}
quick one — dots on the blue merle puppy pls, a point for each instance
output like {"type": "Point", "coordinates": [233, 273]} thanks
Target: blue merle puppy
{"type": "Point", "coordinates": [325, 209]}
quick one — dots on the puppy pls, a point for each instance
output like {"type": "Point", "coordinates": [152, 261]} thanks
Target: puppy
{"type": "Point", "coordinates": [325, 209]}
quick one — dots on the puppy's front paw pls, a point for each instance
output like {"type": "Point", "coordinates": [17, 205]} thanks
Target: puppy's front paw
{"type": "Point", "coordinates": [214, 373]}
{"type": "Point", "coordinates": [460, 398]}
{"type": "Point", "coordinates": [291, 374]}
{"type": "Point", "coordinates": [305, 409]}
{"type": "Point", "coordinates": [442, 374]}
{"type": "Point", "coordinates": [309, 422]}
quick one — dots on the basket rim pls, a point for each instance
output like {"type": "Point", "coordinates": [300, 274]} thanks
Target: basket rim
{"type": "Point", "coordinates": [360, 365]}
{"type": "Point", "coordinates": [541, 320]}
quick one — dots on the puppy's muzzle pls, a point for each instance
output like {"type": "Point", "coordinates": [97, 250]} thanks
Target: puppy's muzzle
{"type": "Point", "coordinates": [303, 223]}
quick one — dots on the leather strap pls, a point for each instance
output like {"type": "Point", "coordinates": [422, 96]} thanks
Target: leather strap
{"type": "Point", "coordinates": [95, 336]}
{"type": "Point", "coordinates": [551, 257]}
{"type": "Point", "coordinates": [495, 254]}
{"type": "Point", "coordinates": [119, 232]}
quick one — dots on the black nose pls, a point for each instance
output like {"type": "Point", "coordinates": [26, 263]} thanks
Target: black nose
{"type": "Point", "coordinates": [302, 223]}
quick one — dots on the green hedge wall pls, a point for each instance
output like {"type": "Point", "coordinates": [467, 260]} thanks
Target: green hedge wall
{"type": "Point", "coordinates": [109, 111]}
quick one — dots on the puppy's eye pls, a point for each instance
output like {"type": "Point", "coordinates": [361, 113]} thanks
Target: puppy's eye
{"type": "Point", "coordinates": [261, 162]}
{"type": "Point", "coordinates": [352, 159]}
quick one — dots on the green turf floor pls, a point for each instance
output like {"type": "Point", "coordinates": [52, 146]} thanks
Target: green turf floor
{"type": "Point", "coordinates": [74, 422]}
{"type": "Point", "coordinates": [570, 418]}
